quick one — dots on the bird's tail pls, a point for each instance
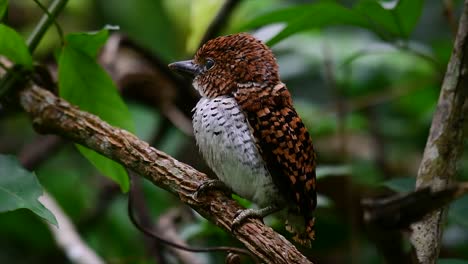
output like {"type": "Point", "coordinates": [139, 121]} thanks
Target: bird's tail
{"type": "Point", "coordinates": [301, 227]}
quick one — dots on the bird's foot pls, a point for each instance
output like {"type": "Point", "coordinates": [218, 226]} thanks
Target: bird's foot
{"type": "Point", "coordinates": [243, 215]}
{"type": "Point", "coordinates": [211, 185]}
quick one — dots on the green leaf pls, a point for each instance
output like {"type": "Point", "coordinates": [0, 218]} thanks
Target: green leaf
{"type": "Point", "coordinates": [13, 46]}
{"type": "Point", "coordinates": [408, 13]}
{"type": "Point", "coordinates": [384, 20]}
{"type": "Point", "coordinates": [20, 188]}
{"type": "Point", "coordinates": [395, 21]}
{"type": "Point", "coordinates": [84, 83]}
{"type": "Point", "coordinates": [406, 184]}
{"type": "Point", "coordinates": [88, 43]}
{"type": "Point", "coordinates": [309, 16]}
{"type": "Point", "coordinates": [398, 20]}
{"type": "Point", "coordinates": [3, 8]}
{"type": "Point", "coordinates": [107, 167]}
{"type": "Point", "coordinates": [452, 261]}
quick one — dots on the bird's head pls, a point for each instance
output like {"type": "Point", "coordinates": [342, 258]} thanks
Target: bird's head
{"type": "Point", "coordinates": [228, 63]}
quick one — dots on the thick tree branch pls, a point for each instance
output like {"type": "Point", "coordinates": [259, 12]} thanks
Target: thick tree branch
{"type": "Point", "coordinates": [445, 143]}
{"type": "Point", "coordinates": [51, 114]}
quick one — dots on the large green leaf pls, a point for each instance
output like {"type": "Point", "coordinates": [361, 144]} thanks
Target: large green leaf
{"type": "Point", "coordinates": [84, 83]}
{"type": "Point", "coordinates": [20, 188]}
{"type": "Point", "coordinates": [3, 8]}
{"type": "Point", "coordinates": [13, 46]}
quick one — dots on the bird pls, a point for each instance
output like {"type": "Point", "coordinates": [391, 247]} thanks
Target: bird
{"type": "Point", "coordinates": [249, 133]}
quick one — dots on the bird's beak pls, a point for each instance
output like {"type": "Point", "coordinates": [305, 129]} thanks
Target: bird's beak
{"type": "Point", "coordinates": [187, 68]}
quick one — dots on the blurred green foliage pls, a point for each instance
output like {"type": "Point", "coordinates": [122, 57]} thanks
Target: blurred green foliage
{"type": "Point", "coordinates": [365, 76]}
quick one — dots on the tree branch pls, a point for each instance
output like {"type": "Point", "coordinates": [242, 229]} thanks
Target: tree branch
{"type": "Point", "coordinates": [67, 237]}
{"type": "Point", "coordinates": [51, 114]}
{"type": "Point", "coordinates": [444, 144]}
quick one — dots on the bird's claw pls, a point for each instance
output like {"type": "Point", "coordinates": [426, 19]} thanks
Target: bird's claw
{"type": "Point", "coordinates": [211, 185]}
{"type": "Point", "coordinates": [243, 215]}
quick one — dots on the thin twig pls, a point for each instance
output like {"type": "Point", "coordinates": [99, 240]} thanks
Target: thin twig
{"type": "Point", "coordinates": [18, 73]}
{"type": "Point", "coordinates": [401, 210]}
{"type": "Point", "coordinates": [46, 20]}
{"type": "Point", "coordinates": [3, 66]}
{"type": "Point", "coordinates": [339, 104]}
{"type": "Point", "coordinates": [56, 24]}
{"type": "Point", "coordinates": [220, 20]}
{"type": "Point", "coordinates": [147, 231]}
{"type": "Point", "coordinates": [154, 247]}
{"type": "Point", "coordinates": [167, 225]}
{"type": "Point", "coordinates": [450, 16]}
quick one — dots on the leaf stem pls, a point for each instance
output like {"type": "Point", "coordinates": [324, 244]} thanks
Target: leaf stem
{"type": "Point", "coordinates": [46, 20]}
{"type": "Point", "coordinates": [54, 20]}
{"type": "Point", "coordinates": [17, 74]}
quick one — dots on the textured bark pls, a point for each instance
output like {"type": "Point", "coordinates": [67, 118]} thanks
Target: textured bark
{"type": "Point", "coordinates": [445, 143]}
{"type": "Point", "coordinates": [51, 114]}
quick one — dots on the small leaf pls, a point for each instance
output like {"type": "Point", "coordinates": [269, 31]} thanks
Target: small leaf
{"type": "Point", "coordinates": [89, 43]}
{"type": "Point", "coordinates": [406, 184]}
{"type": "Point", "coordinates": [13, 46]}
{"type": "Point", "coordinates": [84, 83]}
{"type": "Point", "coordinates": [20, 188]}
{"type": "Point", "coordinates": [452, 261]}
{"type": "Point", "coordinates": [3, 8]}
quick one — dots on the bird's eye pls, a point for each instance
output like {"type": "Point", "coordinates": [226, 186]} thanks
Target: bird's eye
{"type": "Point", "coordinates": [209, 64]}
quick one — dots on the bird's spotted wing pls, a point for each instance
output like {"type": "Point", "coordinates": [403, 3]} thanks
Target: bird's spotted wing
{"type": "Point", "coordinates": [285, 146]}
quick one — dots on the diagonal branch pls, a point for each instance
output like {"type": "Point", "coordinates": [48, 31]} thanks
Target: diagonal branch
{"type": "Point", "coordinates": [445, 143]}
{"type": "Point", "coordinates": [219, 21]}
{"type": "Point", "coordinates": [51, 114]}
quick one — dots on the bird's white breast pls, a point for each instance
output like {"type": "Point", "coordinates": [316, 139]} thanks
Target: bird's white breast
{"type": "Point", "coordinates": [228, 146]}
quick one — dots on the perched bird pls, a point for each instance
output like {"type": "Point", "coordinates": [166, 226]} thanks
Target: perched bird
{"type": "Point", "coordinates": [249, 132]}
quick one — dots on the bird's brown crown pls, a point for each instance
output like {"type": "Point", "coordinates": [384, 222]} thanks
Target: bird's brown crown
{"type": "Point", "coordinates": [231, 62]}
